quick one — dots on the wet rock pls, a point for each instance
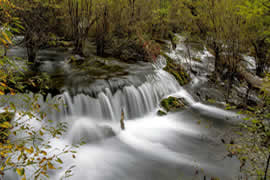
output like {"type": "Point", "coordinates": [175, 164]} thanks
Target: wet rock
{"type": "Point", "coordinates": [107, 131]}
{"type": "Point", "coordinates": [177, 71]}
{"type": "Point", "coordinates": [210, 93]}
{"type": "Point", "coordinates": [76, 59]}
{"type": "Point", "coordinates": [172, 104]}
{"type": "Point", "coordinates": [89, 133]}
{"type": "Point", "coordinates": [128, 50]}
{"type": "Point", "coordinates": [161, 113]}
{"type": "Point", "coordinates": [197, 59]}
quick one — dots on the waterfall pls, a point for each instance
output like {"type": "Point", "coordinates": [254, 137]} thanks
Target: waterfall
{"type": "Point", "coordinates": [134, 100]}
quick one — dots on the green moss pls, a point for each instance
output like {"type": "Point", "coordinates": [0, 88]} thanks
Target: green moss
{"type": "Point", "coordinates": [161, 113]}
{"type": "Point", "coordinates": [174, 39]}
{"type": "Point", "coordinates": [100, 69]}
{"type": "Point", "coordinates": [212, 101]}
{"type": "Point", "coordinates": [57, 43]}
{"type": "Point", "coordinates": [52, 43]}
{"type": "Point", "coordinates": [72, 59]}
{"type": "Point", "coordinates": [196, 59]}
{"type": "Point", "coordinates": [176, 70]}
{"type": "Point", "coordinates": [64, 43]}
{"type": "Point", "coordinates": [172, 104]}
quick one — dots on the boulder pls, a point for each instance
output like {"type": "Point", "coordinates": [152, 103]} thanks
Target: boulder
{"type": "Point", "coordinates": [172, 104]}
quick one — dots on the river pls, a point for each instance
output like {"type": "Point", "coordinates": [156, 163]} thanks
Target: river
{"type": "Point", "coordinates": [181, 145]}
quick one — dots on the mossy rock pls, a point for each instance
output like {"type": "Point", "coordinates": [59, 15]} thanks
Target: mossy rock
{"type": "Point", "coordinates": [52, 43]}
{"type": "Point", "coordinates": [5, 117]}
{"type": "Point", "coordinates": [76, 59]}
{"type": "Point", "coordinates": [161, 113]}
{"type": "Point", "coordinates": [176, 70]}
{"type": "Point", "coordinates": [172, 104]}
{"type": "Point", "coordinates": [59, 43]}
{"type": "Point", "coordinates": [65, 43]}
{"type": "Point", "coordinates": [197, 59]}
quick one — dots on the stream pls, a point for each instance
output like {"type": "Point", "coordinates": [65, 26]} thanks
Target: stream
{"type": "Point", "coordinates": [181, 145]}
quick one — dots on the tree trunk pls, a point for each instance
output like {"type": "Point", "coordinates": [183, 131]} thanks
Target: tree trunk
{"type": "Point", "coordinates": [32, 53]}
{"type": "Point", "coordinates": [79, 46]}
{"type": "Point", "coordinates": [267, 166]}
{"type": "Point", "coordinates": [5, 50]}
{"type": "Point", "coordinates": [101, 32]}
{"type": "Point", "coordinates": [217, 60]}
{"type": "Point", "coordinates": [172, 41]}
{"type": "Point", "coordinates": [261, 51]}
{"type": "Point", "coordinates": [260, 68]}
{"type": "Point", "coordinates": [100, 46]}
{"type": "Point", "coordinates": [229, 87]}
{"type": "Point", "coordinates": [247, 94]}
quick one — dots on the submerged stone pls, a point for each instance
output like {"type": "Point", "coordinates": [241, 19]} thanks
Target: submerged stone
{"type": "Point", "coordinates": [90, 133]}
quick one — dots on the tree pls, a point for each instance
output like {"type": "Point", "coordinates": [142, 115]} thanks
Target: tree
{"type": "Point", "coordinates": [81, 13]}
{"type": "Point", "coordinates": [102, 26]}
{"type": "Point", "coordinates": [217, 24]}
{"type": "Point", "coordinates": [38, 19]}
{"type": "Point", "coordinates": [257, 17]}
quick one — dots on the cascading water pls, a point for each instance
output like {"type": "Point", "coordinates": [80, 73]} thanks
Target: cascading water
{"type": "Point", "coordinates": [151, 147]}
{"type": "Point", "coordinates": [134, 101]}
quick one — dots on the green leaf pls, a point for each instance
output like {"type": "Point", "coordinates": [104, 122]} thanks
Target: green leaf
{"type": "Point", "coordinates": [59, 161]}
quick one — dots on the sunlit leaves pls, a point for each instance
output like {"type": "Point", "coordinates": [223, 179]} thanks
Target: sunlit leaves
{"type": "Point", "coordinates": [5, 125]}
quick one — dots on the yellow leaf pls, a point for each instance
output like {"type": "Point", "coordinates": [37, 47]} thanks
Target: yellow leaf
{"type": "Point", "coordinates": [41, 133]}
{"type": "Point", "coordinates": [43, 160]}
{"type": "Point", "coordinates": [6, 37]}
{"type": "Point", "coordinates": [50, 166]}
{"type": "Point", "coordinates": [30, 151]}
{"type": "Point", "coordinates": [20, 171]}
{"type": "Point", "coordinates": [3, 41]}
{"type": "Point", "coordinates": [44, 153]}
{"type": "Point", "coordinates": [12, 92]}
{"type": "Point", "coordinates": [3, 84]}
{"type": "Point", "coordinates": [2, 92]}
{"type": "Point", "coordinates": [8, 159]}
{"type": "Point", "coordinates": [5, 125]}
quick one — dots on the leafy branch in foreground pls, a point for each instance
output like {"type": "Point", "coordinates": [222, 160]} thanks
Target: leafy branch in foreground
{"type": "Point", "coordinates": [25, 128]}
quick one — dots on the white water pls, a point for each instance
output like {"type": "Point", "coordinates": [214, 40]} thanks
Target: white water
{"type": "Point", "coordinates": [133, 101]}
{"type": "Point", "coordinates": [151, 147]}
